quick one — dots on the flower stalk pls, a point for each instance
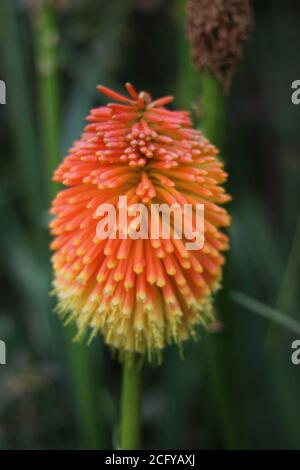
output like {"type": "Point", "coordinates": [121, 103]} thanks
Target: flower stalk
{"type": "Point", "coordinates": [217, 31]}
{"type": "Point", "coordinates": [47, 66]}
{"type": "Point", "coordinates": [220, 350]}
{"type": "Point", "coordinates": [78, 358]}
{"type": "Point", "coordinates": [213, 109]}
{"type": "Point", "coordinates": [130, 432]}
{"type": "Point", "coordinates": [24, 141]}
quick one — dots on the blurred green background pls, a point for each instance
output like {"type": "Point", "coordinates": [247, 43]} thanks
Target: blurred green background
{"type": "Point", "coordinates": [235, 388]}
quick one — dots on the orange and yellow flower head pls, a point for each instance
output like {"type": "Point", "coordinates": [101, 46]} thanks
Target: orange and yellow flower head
{"type": "Point", "coordinates": [146, 292]}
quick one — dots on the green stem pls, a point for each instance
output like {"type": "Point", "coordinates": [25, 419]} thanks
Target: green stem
{"type": "Point", "coordinates": [219, 351]}
{"type": "Point", "coordinates": [219, 348]}
{"type": "Point", "coordinates": [286, 398]}
{"type": "Point", "coordinates": [84, 390]}
{"type": "Point", "coordinates": [288, 292]}
{"type": "Point", "coordinates": [213, 109]}
{"type": "Point", "coordinates": [19, 110]}
{"type": "Point", "coordinates": [47, 65]}
{"type": "Point", "coordinates": [187, 83]}
{"type": "Point", "coordinates": [78, 357]}
{"type": "Point", "coordinates": [131, 405]}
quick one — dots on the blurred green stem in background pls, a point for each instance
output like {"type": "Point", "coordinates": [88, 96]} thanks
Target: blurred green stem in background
{"type": "Point", "coordinates": [289, 288]}
{"type": "Point", "coordinates": [84, 390]}
{"type": "Point", "coordinates": [19, 110]}
{"type": "Point", "coordinates": [287, 398]}
{"type": "Point", "coordinates": [47, 38]}
{"type": "Point", "coordinates": [131, 404]}
{"type": "Point", "coordinates": [219, 348]}
{"type": "Point", "coordinates": [188, 83]}
{"type": "Point", "coordinates": [212, 109]}
{"type": "Point", "coordinates": [79, 360]}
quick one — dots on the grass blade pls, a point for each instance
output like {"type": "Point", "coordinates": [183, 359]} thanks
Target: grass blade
{"type": "Point", "coordinates": [266, 312]}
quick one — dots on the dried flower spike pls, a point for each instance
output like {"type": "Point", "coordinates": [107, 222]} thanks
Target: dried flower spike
{"type": "Point", "coordinates": [141, 294]}
{"type": "Point", "coordinates": [218, 30]}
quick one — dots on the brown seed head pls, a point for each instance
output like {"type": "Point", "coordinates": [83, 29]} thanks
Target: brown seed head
{"type": "Point", "coordinates": [218, 30]}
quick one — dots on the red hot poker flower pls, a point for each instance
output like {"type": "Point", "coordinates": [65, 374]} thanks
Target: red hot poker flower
{"type": "Point", "coordinates": [145, 293]}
